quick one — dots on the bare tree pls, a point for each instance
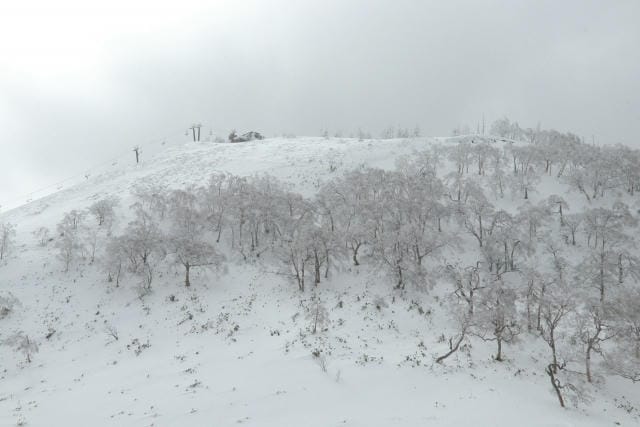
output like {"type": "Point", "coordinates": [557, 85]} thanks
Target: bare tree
{"type": "Point", "coordinates": [115, 259]}
{"type": "Point", "coordinates": [556, 304]}
{"type": "Point", "coordinates": [603, 267]}
{"type": "Point", "coordinates": [23, 344]}
{"type": "Point", "coordinates": [111, 331]}
{"type": "Point", "coordinates": [496, 317]}
{"type": "Point", "coordinates": [593, 328]}
{"type": "Point", "coordinates": [462, 319]}
{"type": "Point", "coordinates": [572, 223]}
{"type": "Point", "coordinates": [43, 235]}
{"type": "Point", "coordinates": [90, 237]}
{"type": "Point", "coordinates": [623, 358]}
{"type": "Point", "coordinates": [68, 242]}
{"type": "Point", "coordinates": [467, 281]}
{"type": "Point", "coordinates": [318, 315]}
{"type": "Point", "coordinates": [144, 246]}
{"type": "Point", "coordinates": [552, 371]}
{"type": "Point", "coordinates": [476, 210]}
{"type": "Point", "coordinates": [191, 252]}
{"type": "Point", "coordinates": [103, 210]}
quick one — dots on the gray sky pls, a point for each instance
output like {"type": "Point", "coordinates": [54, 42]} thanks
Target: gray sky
{"type": "Point", "coordinates": [80, 84]}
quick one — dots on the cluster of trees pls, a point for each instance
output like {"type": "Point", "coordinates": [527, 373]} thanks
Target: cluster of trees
{"type": "Point", "coordinates": [80, 233]}
{"type": "Point", "coordinates": [568, 278]}
{"type": "Point", "coordinates": [390, 132]}
{"type": "Point", "coordinates": [590, 170]}
{"type": "Point", "coordinates": [578, 297]}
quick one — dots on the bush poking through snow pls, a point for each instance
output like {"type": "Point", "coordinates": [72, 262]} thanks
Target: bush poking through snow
{"type": "Point", "coordinates": [380, 303]}
{"type": "Point", "coordinates": [7, 304]}
{"type": "Point", "coordinates": [23, 344]}
{"type": "Point", "coordinates": [7, 234]}
{"type": "Point", "coordinates": [318, 315]}
{"type": "Point", "coordinates": [111, 331]}
{"type": "Point", "coordinates": [321, 359]}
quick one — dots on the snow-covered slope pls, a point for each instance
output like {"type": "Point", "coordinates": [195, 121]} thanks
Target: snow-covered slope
{"type": "Point", "coordinates": [235, 348]}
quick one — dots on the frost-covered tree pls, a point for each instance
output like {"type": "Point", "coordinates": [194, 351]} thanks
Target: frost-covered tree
{"type": "Point", "coordinates": [572, 223]}
{"type": "Point", "coordinates": [90, 238]}
{"type": "Point", "coordinates": [7, 235]}
{"type": "Point", "coordinates": [188, 241]}
{"type": "Point", "coordinates": [594, 171]}
{"type": "Point", "coordinates": [23, 344]}
{"type": "Point", "coordinates": [475, 212]}
{"type": "Point", "coordinates": [143, 238]}
{"type": "Point", "coordinates": [623, 358]}
{"type": "Point", "coordinates": [317, 315]}
{"type": "Point", "coordinates": [627, 161]}
{"type": "Point", "coordinates": [498, 179]}
{"type": "Point", "coordinates": [556, 304]}
{"type": "Point", "coordinates": [68, 242]}
{"type": "Point", "coordinates": [191, 252]}
{"type": "Point", "coordinates": [504, 128]}
{"type": "Point", "coordinates": [462, 321]}
{"type": "Point", "coordinates": [525, 181]}
{"type": "Point", "coordinates": [71, 220]}
{"type": "Point", "coordinates": [295, 250]}
{"type": "Point", "coordinates": [152, 199]}
{"type": "Point", "coordinates": [214, 198]}
{"type": "Point", "coordinates": [533, 217]}
{"type": "Point", "coordinates": [116, 258]}
{"type": "Point", "coordinates": [534, 289]}
{"type": "Point", "coordinates": [603, 264]}
{"type": "Point", "coordinates": [28, 347]}
{"type": "Point", "coordinates": [467, 283]}
{"type": "Point", "coordinates": [504, 240]}
{"type": "Point", "coordinates": [496, 318]}
{"type": "Point", "coordinates": [144, 245]}
{"type": "Point", "coordinates": [43, 235]}
{"type": "Point", "coordinates": [103, 211]}
{"type": "Point", "coordinates": [556, 204]}
{"type": "Point", "coordinates": [594, 326]}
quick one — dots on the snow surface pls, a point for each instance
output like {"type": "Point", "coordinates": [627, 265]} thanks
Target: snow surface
{"type": "Point", "coordinates": [235, 349]}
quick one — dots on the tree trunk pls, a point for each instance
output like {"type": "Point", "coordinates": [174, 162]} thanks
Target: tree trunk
{"type": "Point", "coordinates": [315, 321]}
{"type": "Point", "coordinates": [555, 383]}
{"type": "Point", "coordinates": [499, 355]}
{"type": "Point", "coordinates": [317, 266]}
{"type": "Point", "coordinates": [588, 361]}
{"type": "Point", "coordinates": [529, 326]}
{"type": "Point", "coordinates": [187, 267]}
{"type": "Point", "coordinates": [355, 250]}
{"type": "Point", "coordinates": [452, 348]}
{"type": "Point", "coordinates": [552, 344]}
{"type": "Point", "coordinates": [620, 270]}
{"type": "Point", "coordinates": [561, 216]}
{"type": "Point", "coordinates": [400, 284]}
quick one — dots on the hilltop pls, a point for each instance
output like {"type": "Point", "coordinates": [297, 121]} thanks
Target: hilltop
{"type": "Point", "coordinates": [326, 276]}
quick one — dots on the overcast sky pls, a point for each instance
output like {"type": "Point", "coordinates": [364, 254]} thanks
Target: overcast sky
{"type": "Point", "coordinates": [81, 83]}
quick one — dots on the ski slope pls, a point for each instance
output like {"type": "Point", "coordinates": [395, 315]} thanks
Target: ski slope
{"type": "Point", "coordinates": [233, 349]}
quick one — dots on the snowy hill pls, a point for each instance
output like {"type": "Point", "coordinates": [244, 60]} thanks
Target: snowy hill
{"type": "Point", "coordinates": [238, 345]}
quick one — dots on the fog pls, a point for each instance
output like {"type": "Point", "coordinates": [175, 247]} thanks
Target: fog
{"type": "Point", "coordinates": [81, 83]}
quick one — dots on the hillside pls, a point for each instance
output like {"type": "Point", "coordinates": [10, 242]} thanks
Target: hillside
{"type": "Point", "coordinates": [237, 345]}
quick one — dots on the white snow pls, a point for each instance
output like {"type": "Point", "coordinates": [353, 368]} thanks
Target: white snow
{"type": "Point", "coordinates": [230, 350]}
